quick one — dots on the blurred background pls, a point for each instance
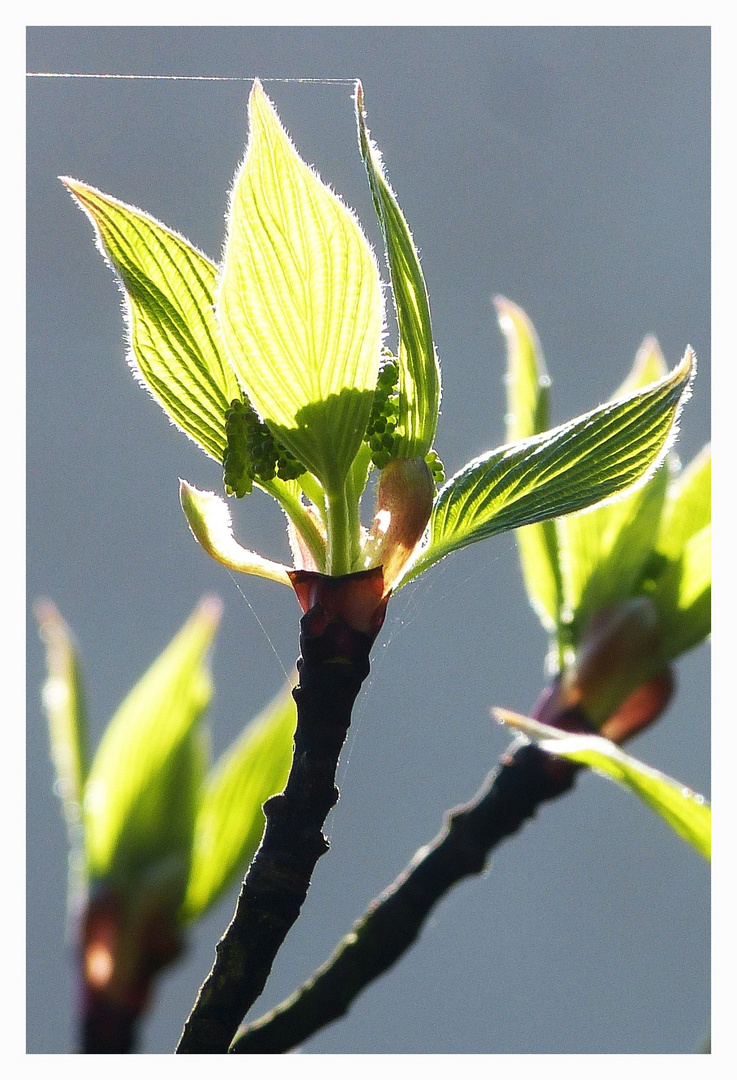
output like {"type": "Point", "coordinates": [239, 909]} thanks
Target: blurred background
{"type": "Point", "coordinates": [565, 168]}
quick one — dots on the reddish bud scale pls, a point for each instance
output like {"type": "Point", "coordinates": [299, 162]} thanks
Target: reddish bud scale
{"type": "Point", "coordinates": [356, 599]}
{"type": "Point", "coordinates": [124, 944]}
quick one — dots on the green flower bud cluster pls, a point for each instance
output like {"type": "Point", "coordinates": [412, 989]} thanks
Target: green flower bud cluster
{"type": "Point", "coordinates": [252, 452]}
{"type": "Point", "coordinates": [381, 433]}
{"type": "Point", "coordinates": [436, 467]}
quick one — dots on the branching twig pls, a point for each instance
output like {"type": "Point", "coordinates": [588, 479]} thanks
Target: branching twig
{"type": "Point", "coordinates": [525, 778]}
{"type": "Point", "coordinates": [334, 663]}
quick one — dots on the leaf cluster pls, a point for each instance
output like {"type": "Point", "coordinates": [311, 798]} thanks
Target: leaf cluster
{"type": "Point", "coordinates": [653, 540]}
{"type": "Point", "coordinates": [148, 811]}
{"type": "Point", "coordinates": [272, 362]}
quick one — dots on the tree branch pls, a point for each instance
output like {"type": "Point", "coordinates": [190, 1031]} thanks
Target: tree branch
{"type": "Point", "coordinates": [525, 778]}
{"type": "Point", "coordinates": [333, 664]}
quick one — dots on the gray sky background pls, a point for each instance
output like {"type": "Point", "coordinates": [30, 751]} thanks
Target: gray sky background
{"type": "Point", "coordinates": [565, 168]}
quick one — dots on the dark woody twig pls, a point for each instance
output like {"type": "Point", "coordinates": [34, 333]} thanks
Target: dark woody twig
{"type": "Point", "coordinates": [525, 778]}
{"type": "Point", "coordinates": [333, 664]}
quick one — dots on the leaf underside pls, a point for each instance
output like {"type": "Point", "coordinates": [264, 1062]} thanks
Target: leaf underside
{"type": "Point", "coordinates": [169, 286]}
{"type": "Point", "coordinates": [419, 371]}
{"type": "Point", "coordinates": [300, 302]}
{"type": "Point", "coordinates": [688, 813]}
{"type": "Point", "coordinates": [575, 465]}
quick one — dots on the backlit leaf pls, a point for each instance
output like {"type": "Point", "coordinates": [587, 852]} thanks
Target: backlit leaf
{"type": "Point", "coordinates": [687, 813]}
{"type": "Point", "coordinates": [143, 787]}
{"type": "Point", "coordinates": [175, 346]}
{"type": "Point", "coordinates": [603, 550]}
{"type": "Point", "coordinates": [209, 519]}
{"type": "Point", "coordinates": [64, 704]}
{"type": "Point", "coordinates": [300, 302]}
{"type": "Point", "coordinates": [230, 820]}
{"type": "Point", "coordinates": [682, 596]}
{"type": "Point", "coordinates": [590, 458]}
{"type": "Point", "coordinates": [419, 371]}
{"type": "Point", "coordinates": [688, 506]}
{"type": "Point", "coordinates": [528, 399]}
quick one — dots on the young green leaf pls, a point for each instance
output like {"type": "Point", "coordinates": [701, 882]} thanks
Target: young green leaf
{"type": "Point", "coordinates": [528, 400]}
{"type": "Point", "coordinates": [686, 812]}
{"type": "Point", "coordinates": [682, 596]}
{"type": "Point", "coordinates": [527, 381]}
{"type": "Point", "coordinates": [419, 371]}
{"type": "Point", "coordinates": [591, 458]}
{"type": "Point", "coordinates": [175, 342]}
{"type": "Point", "coordinates": [648, 367]}
{"type": "Point", "coordinates": [688, 506]}
{"type": "Point", "coordinates": [300, 302]}
{"type": "Point", "coordinates": [64, 704]}
{"type": "Point", "coordinates": [603, 550]}
{"type": "Point", "coordinates": [209, 519]}
{"type": "Point", "coordinates": [143, 787]}
{"type": "Point", "coordinates": [230, 820]}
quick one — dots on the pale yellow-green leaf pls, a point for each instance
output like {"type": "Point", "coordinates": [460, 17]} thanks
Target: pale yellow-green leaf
{"type": "Point", "coordinates": [176, 349]}
{"type": "Point", "coordinates": [527, 381]}
{"type": "Point", "coordinates": [594, 457]}
{"type": "Point", "coordinates": [603, 550]}
{"type": "Point", "coordinates": [683, 596]}
{"type": "Point", "coordinates": [687, 508]}
{"type": "Point", "coordinates": [648, 367]}
{"type": "Point", "coordinates": [142, 786]}
{"type": "Point", "coordinates": [300, 302]}
{"type": "Point", "coordinates": [419, 370]}
{"type": "Point", "coordinates": [688, 813]}
{"type": "Point", "coordinates": [209, 519]}
{"type": "Point", "coordinates": [64, 704]}
{"type": "Point", "coordinates": [230, 820]}
{"type": "Point", "coordinates": [528, 397]}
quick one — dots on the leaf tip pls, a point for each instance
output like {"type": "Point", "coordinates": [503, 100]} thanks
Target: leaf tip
{"type": "Point", "coordinates": [510, 718]}
{"type": "Point", "coordinates": [52, 629]}
{"type": "Point", "coordinates": [210, 610]}
{"type": "Point", "coordinates": [77, 189]}
{"type": "Point", "coordinates": [46, 614]}
{"type": "Point", "coordinates": [358, 98]}
{"type": "Point", "coordinates": [209, 521]}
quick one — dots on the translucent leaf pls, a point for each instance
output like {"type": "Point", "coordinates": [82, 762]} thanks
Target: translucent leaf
{"type": "Point", "coordinates": [528, 398]}
{"type": "Point", "coordinates": [64, 704]}
{"type": "Point", "coordinates": [682, 596]}
{"type": "Point", "coordinates": [300, 302]}
{"type": "Point", "coordinates": [603, 551]}
{"type": "Point", "coordinates": [230, 821]}
{"type": "Point", "coordinates": [419, 371]}
{"type": "Point", "coordinates": [573, 466]}
{"type": "Point", "coordinates": [209, 520]}
{"type": "Point", "coordinates": [175, 346]}
{"type": "Point", "coordinates": [688, 506]}
{"type": "Point", "coordinates": [686, 812]}
{"type": "Point", "coordinates": [649, 366]}
{"type": "Point", "coordinates": [527, 380]}
{"type": "Point", "coordinates": [143, 788]}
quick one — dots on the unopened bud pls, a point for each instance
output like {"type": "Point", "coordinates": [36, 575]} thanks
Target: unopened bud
{"type": "Point", "coordinates": [403, 507]}
{"type": "Point", "coordinates": [125, 941]}
{"type": "Point", "coordinates": [619, 652]}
